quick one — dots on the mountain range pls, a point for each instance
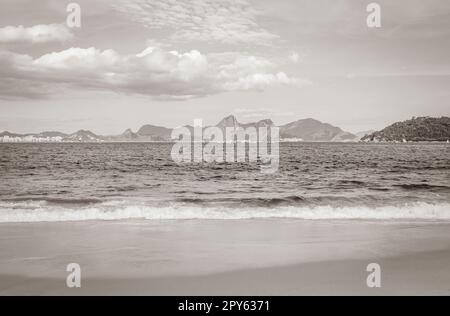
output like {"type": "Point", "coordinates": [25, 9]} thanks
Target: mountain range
{"type": "Point", "coordinates": [308, 130]}
{"type": "Point", "coordinates": [302, 130]}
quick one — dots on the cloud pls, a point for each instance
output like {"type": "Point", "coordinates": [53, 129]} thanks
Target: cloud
{"type": "Point", "coordinates": [225, 21]}
{"type": "Point", "coordinates": [35, 34]}
{"type": "Point", "coordinates": [152, 72]}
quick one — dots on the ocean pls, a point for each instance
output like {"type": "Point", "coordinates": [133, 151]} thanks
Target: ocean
{"type": "Point", "coordinates": [120, 181]}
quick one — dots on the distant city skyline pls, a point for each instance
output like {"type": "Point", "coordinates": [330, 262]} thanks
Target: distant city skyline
{"type": "Point", "coordinates": [139, 62]}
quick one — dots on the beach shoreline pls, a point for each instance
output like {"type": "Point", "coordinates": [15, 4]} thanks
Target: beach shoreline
{"type": "Point", "coordinates": [228, 257]}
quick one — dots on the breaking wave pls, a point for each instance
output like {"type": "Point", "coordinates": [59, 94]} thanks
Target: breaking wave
{"type": "Point", "coordinates": [41, 211]}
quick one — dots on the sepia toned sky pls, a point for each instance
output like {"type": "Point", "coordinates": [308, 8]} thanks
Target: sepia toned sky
{"type": "Point", "coordinates": [167, 62]}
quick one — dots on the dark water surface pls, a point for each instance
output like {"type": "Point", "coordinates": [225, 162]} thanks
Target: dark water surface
{"type": "Point", "coordinates": [315, 180]}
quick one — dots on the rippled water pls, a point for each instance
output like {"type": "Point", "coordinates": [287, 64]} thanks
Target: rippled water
{"type": "Point", "coordinates": [115, 181]}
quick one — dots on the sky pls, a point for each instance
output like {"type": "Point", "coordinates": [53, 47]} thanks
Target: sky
{"type": "Point", "coordinates": [167, 62]}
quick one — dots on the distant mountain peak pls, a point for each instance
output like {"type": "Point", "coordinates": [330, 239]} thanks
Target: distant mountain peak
{"type": "Point", "coordinates": [229, 121]}
{"type": "Point", "coordinates": [84, 136]}
{"type": "Point", "coordinates": [315, 131]}
{"type": "Point", "coordinates": [128, 131]}
{"type": "Point", "coordinates": [128, 135]}
{"type": "Point", "coordinates": [267, 122]}
{"type": "Point", "coordinates": [6, 133]}
{"type": "Point", "coordinates": [152, 130]}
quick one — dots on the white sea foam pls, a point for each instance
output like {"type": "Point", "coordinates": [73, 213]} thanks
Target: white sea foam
{"type": "Point", "coordinates": [38, 212]}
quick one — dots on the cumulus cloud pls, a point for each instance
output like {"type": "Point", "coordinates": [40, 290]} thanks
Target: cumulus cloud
{"type": "Point", "coordinates": [226, 21]}
{"type": "Point", "coordinates": [152, 72]}
{"type": "Point", "coordinates": [36, 34]}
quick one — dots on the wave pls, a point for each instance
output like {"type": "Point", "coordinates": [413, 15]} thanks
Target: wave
{"type": "Point", "coordinates": [56, 201]}
{"type": "Point", "coordinates": [423, 186]}
{"type": "Point", "coordinates": [245, 202]}
{"type": "Point", "coordinates": [110, 211]}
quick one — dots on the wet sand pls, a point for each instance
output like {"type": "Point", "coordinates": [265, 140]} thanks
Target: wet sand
{"type": "Point", "coordinates": [252, 257]}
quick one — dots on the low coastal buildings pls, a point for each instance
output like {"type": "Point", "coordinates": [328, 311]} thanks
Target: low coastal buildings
{"type": "Point", "coordinates": [30, 139]}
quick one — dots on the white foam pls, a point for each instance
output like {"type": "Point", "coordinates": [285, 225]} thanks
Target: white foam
{"type": "Point", "coordinates": [119, 211]}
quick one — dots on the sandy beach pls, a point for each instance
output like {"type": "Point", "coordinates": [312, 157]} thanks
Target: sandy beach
{"type": "Point", "coordinates": [206, 257]}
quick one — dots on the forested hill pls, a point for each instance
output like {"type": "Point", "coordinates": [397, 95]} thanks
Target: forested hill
{"type": "Point", "coordinates": [414, 130]}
